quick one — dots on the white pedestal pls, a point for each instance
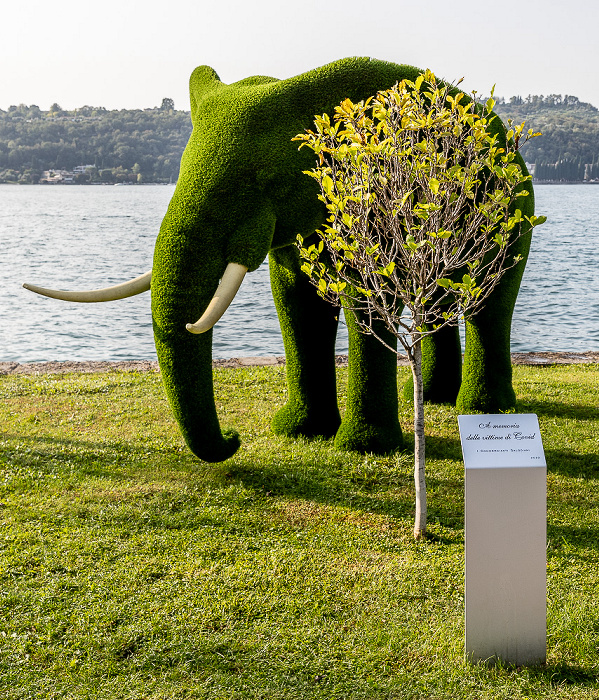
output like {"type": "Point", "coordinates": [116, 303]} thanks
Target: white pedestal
{"type": "Point", "coordinates": [506, 516]}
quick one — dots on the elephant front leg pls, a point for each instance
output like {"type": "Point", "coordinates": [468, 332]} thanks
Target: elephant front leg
{"type": "Point", "coordinates": [371, 422]}
{"type": "Point", "coordinates": [487, 374]}
{"type": "Point", "coordinates": [309, 329]}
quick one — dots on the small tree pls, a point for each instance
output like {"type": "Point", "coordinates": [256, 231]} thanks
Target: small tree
{"type": "Point", "coordinates": [421, 186]}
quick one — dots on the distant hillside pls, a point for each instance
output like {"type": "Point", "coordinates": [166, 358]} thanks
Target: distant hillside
{"type": "Point", "coordinates": [146, 145]}
{"type": "Point", "coordinates": [127, 145]}
{"type": "Point", "coordinates": [569, 146]}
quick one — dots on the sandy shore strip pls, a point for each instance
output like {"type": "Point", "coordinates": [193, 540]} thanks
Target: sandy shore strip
{"type": "Point", "coordinates": [518, 358]}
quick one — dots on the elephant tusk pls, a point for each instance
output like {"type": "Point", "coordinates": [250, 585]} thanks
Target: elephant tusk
{"type": "Point", "coordinates": [224, 295]}
{"type": "Point", "coordinates": [118, 291]}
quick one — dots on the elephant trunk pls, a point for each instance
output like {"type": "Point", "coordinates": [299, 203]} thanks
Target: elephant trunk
{"type": "Point", "coordinates": [186, 367]}
{"type": "Point", "coordinates": [188, 264]}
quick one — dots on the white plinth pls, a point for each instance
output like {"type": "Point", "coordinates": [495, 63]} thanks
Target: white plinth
{"type": "Point", "coordinates": [506, 516]}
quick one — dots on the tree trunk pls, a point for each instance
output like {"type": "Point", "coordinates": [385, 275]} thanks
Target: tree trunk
{"type": "Point", "coordinates": [419, 444]}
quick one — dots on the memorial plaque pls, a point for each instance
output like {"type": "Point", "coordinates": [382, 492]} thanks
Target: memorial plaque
{"type": "Point", "coordinates": [505, 538]}
{"type": "Point", "coordinates": [505, 440]}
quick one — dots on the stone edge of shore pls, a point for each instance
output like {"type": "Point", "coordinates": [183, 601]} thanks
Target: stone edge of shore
{"type": "Point", "coordinates": [13, 368]}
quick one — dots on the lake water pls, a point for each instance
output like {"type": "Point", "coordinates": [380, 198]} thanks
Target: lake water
{"type": "Point", "coordinates": [85, 237]}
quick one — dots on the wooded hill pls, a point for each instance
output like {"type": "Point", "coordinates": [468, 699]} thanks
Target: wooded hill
{"type": "Point", "coordinates": [568, 149]}
{"type": "Point", "coordinates": [136, 145]}
{"type": "Point", "coordinates": [127, 145]}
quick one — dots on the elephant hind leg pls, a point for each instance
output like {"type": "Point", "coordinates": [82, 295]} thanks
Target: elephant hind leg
{"type": "Point", "coordinates": [487, 376]}
{"type": "Point", "coordinates": [487, 382]}
{"type": "Point", "coordinates": [309, 329]}
{"type": "Point", "coordinates": [441, 367]}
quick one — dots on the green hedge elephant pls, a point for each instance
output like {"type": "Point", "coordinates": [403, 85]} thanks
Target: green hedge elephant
{"type": "Point", "coordinates": [241, 196]}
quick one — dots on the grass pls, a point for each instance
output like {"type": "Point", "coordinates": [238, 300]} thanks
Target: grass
{"type": "Point", "coordinates": [129, 569]}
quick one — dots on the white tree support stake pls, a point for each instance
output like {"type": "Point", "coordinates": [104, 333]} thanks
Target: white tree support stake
{"type": "Point", "coordinates": [506, 535]}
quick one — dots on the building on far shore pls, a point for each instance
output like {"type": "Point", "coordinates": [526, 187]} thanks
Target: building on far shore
{"type": "Point", "coordinates": [63, 177]}
{"type": "Point", "coordinates": [56, 177]}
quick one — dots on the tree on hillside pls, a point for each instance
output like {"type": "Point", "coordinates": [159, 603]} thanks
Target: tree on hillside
{"type": "Point", "coordinates": [421, 193]}
{"type": "Point", "coordinates": [56, 110]}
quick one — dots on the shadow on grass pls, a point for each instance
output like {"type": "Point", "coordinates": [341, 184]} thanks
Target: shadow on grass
{"type": "Point", "coordinates": [305, 470]}
{"type": "Point", "coordinates": [329, 484]}
{"type": "Point", "coordinates": [554, 409]}
{"type": "Point", "coordinates": [572, 464]}
{"type": "Point", "coordinates": [441, 447]}
{"type": "Point", "coordinates": [585, 537]}
{"type": "Point", "coordinates": [48, 455]}
{"type": "Point", "coordinates": [301, 470]}
{"type": "Point", "coordinates": [564, 674]}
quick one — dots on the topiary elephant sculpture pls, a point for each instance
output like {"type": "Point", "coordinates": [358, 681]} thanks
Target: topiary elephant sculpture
{"type": "Point", "coordinates": [242, 195]}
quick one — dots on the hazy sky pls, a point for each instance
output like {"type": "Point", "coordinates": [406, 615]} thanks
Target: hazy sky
{"type": "Point", "coordinates": [132, 53]}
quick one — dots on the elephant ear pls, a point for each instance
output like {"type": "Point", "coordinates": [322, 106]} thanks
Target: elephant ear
{"type": "Point", "coordinates": [203, 80]}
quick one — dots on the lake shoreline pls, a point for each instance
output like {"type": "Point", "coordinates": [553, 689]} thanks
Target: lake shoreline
{"type": "Point", "coordinates": [91, 237]}
{"type": "Point", "coordinates": [65, 367]}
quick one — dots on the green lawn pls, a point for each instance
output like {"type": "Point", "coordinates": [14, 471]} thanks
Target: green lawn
{"type": "Point", "coordinates": [128, 569]}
